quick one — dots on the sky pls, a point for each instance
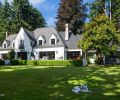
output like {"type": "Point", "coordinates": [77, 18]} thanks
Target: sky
{"type": "Point", "coordinates": [48, 8]}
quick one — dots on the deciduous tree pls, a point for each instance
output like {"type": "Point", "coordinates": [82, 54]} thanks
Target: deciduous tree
{"type": "Point", "coordinates": [101, 35]}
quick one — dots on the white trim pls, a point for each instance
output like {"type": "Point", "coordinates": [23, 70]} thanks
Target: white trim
{"type": "Point", "coordinates": [53, 37]}
{"type": "Point", "coordinates": [76, 50]}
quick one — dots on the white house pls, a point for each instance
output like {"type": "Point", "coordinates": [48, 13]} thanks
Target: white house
{"type": "Point", "coordinates": [42, 43]}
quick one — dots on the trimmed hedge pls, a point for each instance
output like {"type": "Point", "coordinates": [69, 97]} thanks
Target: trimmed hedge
{"type": "Point", "coordinates": [76, 63]}
{"type": "Point", "coordinates": [1, 62]}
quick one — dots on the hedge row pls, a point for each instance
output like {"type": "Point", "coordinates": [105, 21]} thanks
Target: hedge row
{"type": "Point", "coordinates": [47, 62]}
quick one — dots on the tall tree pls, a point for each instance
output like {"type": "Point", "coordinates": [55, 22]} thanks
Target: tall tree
{"type": "Point", "coordinates": [20, 13]}
{"type": "Point", "coordinates": [115, 12]}
{"type": "Point", "coordinates": [100, 34]}
{"type": "Point", "coordinates": [5, 19]}
{"type": "Point", "coordinates": [26, 15]}
{"type": "Point", "coordinates": [97, 7]}
{"type": "Point", "coordinates": [73, 13]}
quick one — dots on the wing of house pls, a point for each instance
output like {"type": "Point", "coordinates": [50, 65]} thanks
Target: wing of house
{"type": "Point", "coordinates": [42, 43]}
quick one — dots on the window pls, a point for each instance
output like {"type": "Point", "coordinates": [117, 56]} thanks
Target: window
{"type": "Point", "coordinates": [40, 42]}
{"type": "Point", "coordinates": [31, 43]}
{"type": "Point", "coordinates": [21, 42]}
{"type": "Point", "coordinates": [52, 41]}
{"type": "Point", "coordinates": [13, 44]}
{"type": "Point", "coordinates": [73, 54]}
{"type": "Point", "coordinates": [5, 46]}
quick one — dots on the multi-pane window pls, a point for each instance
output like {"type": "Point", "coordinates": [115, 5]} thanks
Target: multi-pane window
{"type": "Point", "coordinates": [21, 42]}
{"type": "Point", "coordinates": [13, 44]}
{"type": "Point", "coordinates": [5, 46]}
{"type": "Point", "coordinates": [73, 54]}
{"type": "Point", "coordinates": [47, 55]}
{"type": "Point", "coordinates": [40, 42]}
{"type": "Point", "coordinates": [52, 41]}
{"type": "Point", "coordinates": [31, 43]}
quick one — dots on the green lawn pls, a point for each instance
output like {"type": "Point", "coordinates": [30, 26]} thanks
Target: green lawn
{"type": "Point", "coordinates": [56, 83]}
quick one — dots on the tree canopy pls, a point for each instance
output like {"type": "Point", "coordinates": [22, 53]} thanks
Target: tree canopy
{"type": "Point", "coordinates": [115, 10]}
{"type": "Point", "coordinates": [19, 13]}
{"type": "Point", "coordinates": [73, 13]}
{"type": "Point", "coordinates": [100, 34]}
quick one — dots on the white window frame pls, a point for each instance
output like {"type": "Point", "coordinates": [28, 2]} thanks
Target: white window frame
{"type": "Point", "coordinates": [53, 37]}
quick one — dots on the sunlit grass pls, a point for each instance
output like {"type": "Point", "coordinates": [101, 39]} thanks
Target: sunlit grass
{"type": "Point", "coordinates": [51, 83]}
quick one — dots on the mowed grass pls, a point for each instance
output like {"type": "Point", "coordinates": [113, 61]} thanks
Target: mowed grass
{"type": "Point", "coordinates": [56, 83]}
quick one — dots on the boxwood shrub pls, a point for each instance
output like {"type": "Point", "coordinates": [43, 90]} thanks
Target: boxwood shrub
{"type": "Point", "coordinates": [76, 63]}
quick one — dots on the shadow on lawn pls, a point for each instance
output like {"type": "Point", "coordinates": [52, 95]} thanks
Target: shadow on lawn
{"type": "Point", "coordinates": [57, 83]}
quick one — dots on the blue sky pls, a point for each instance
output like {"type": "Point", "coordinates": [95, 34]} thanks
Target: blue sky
{"type": "Point", "coordinates": [48, 8]}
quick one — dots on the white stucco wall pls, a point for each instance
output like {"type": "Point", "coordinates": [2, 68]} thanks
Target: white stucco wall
{"type": "Point", "coordinates": [59, 52]}
{"type": "Point", "coordinates": [27, 42]}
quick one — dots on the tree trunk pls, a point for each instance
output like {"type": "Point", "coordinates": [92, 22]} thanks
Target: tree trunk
{"type": "Point", "coordinates": [99, 57]}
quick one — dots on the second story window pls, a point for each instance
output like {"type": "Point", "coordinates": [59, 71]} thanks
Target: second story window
{"type": "Point", "coordinates": [52, 41]}
{"type": "Point", "coordinates": [5, 46]}
{"type": "Point", "coordinates": [13, 44]}
{"type": "Point", "coordinates": [21, 42]}
{"type": "Point", "coordinates": [40, 42]}
{"type": "Point", "coordinates": [31, 43]}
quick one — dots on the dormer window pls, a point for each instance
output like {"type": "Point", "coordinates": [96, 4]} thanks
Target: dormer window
{"type": "Point", "coordinates": [40, 42]}
{"type": "Point", "coordinates": [31, 43]}
{"type": "Point", "coordinates": [13, 45]}
{"type": "Point", "coordinates": [52, 41]}
{"type": "Point", "coordinates": [5, 45]}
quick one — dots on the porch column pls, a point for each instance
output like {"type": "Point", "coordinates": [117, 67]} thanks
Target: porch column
{"type": "Point", "coordinates": [0, 56]}
{"type": "Point", "coordinates": [16, 55]}
{"type": "Point", "coordinates": [37, 55]}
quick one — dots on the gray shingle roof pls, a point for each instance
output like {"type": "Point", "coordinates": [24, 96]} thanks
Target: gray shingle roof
{"type": "Point", "coordinates": [30, 34]}
{"type": "Point", "coordinates": [73, 40]}
{"type": "Point", "coordinates": [9, 40]}
{"type": "Point", "coordinates": [47, 33]}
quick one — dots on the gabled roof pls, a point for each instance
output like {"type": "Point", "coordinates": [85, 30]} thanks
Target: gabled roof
{"type": "Point", "coordinates": [73, 40]}
{"type": "Point", "coordinates": [9, 41]}
{"type": "Point", "coordinates": [30, 34]}
{"type": "Point", "coordinates": [11, 37]}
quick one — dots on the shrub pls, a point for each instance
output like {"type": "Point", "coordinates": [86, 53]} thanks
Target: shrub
{"type": "Point", "coordinates": [48, 62]}
{"type": "Point", "coordinates": [1, 62]}
{"type": "Point", "coordinates": [11, 54]}
{"type": "Point", "coordinates": [14, 62]}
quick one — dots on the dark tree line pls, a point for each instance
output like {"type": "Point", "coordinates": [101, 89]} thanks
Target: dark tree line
{"type": "Point", "coordinates": [73, 12]}
{"type": "Point", "coordinates": [19, 13]}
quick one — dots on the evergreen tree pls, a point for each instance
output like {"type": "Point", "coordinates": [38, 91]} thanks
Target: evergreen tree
{"type": "Point", "coordinates": [115, 12]}
{"type": "Point", "coordinates": [5, 19]}
{"type": "Point", "coordinates": [73, 13]}
{"type": "Point", "coordinates": [20, 13]}
{"type": "Point", "coordinates": [97, 7]}
{"type": "Point", "coordinates": [26, 16]}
